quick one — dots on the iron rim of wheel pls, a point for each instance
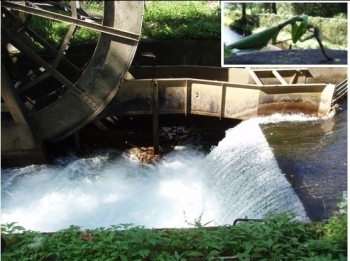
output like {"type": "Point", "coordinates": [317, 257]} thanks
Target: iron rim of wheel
{"type": "Point", "coordinates": [83, 93]}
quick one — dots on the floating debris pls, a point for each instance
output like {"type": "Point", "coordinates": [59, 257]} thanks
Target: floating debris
{"type": "Point", "coordinates": [143, 154]}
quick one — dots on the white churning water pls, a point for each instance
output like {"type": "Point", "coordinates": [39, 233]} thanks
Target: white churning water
{"type": "Point", "coordinates": [238, 178]}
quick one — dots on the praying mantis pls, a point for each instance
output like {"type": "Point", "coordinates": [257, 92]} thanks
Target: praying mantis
{"type": "Point", "coordinates": [261, 39]}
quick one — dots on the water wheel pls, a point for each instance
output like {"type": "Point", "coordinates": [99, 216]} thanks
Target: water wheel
{"type": "Point", "coordinates": [55, 96]}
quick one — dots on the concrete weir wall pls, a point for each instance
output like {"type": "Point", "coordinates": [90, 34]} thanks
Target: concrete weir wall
{"type": "Point", "coordinates": [236, 93]}
{"type": "Point", "coordinates": [327, 74]}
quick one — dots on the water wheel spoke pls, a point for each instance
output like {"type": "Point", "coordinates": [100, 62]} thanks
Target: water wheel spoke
{"type": "Point", "coordinates": [25, 49]}
{"type": "Point", "coordinates": [74, 9]}
{"type": "Point", "coordinates": [12, 102]}
{"type": "Point", "coordinates": [30, 84]}
{"type": "Point", "coordinates": [46, 45]}
{"type": "Point", "coordinates": [120, 35]}
{"type": "Point", "coordinates": [52, 50]}
{"type": "Point", "coordinates": [61, 93]}
{"type": "Point", "coordinates": [64, 45]}
{"type": "Point", "coordinates": [7, 57]}
{"type": "Point", "coordinates": [50, 69]}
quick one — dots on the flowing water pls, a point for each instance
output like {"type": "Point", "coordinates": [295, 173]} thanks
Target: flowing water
{"type": "Point", "coordinates": [240, 177]}
{"type": "Point", "coordinates": [313, 154]}
{"type": "Point", "coordinates": [229, 36]}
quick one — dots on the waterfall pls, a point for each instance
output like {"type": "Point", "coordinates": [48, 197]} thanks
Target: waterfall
{"type": "Point", "coordinates": [238, 178]}
{"type": "Point", "coordinates": [244, 177]}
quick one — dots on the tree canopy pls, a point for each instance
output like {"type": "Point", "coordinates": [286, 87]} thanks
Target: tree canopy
{"type": "Point", "coordinates": [327, 10]}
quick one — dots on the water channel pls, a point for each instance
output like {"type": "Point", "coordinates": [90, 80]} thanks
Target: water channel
{"type": "Point", "coordinates": [229, 37]}
{"type": "Point", "coordinates": [263, 165]}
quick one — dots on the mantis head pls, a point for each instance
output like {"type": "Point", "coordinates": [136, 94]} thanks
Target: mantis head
{"type": "Point", "coordinates": [299, 30]}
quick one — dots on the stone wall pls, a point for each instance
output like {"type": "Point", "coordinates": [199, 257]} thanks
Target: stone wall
{"type": "Point", "coordinates": [164, 52]}
{"type": "Point", "coordinates": [184, 52]}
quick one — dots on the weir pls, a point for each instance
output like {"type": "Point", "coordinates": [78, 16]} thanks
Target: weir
{"type": "Point", "coordinates": [244, 176]}
{"type": "Point", "coordinates": [239, 178]}
{"type": "Point", "coordinates": [45, 100]}
{"type": "Point", "coordinates": [49, 99]}
{"type": "Point", "coordinates": [242, 96]}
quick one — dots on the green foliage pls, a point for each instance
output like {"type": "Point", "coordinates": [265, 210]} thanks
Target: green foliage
{"type": "Point", "coordinates": [231, 14]}
{"type": "Point", "coordinates": [278, 237]}
{"type": "Point", "coordinates": [319, 9]}
{"type": "Point", "coordinates": [244, 27]}
{"type": "Point", "coordinates": [333, 30]}
{"type": "Point", "coordinates": [54, 32]}
{"type": "Point", "coordinates": [95, 6]}
{"type": "Point", "coordinates": [190, 20]}
{"type": "Point", "coordinates": [313, 9]}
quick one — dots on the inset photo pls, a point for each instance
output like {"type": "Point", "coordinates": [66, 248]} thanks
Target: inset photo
{"type": "Point", "coordinates": [277, 33]}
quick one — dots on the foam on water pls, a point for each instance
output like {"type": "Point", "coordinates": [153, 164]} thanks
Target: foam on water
{"type": "Point", "coordinates": [245, 179]}
{"type": "Point", "coordinates": [240, 177]}
{"type": "Point", "coordinates": [100, 191]}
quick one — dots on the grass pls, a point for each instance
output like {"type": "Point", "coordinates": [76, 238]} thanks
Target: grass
{"type": "Point", "coordinates": [190, 20]}
{"type": "Point", "coordinates": [170, 20]}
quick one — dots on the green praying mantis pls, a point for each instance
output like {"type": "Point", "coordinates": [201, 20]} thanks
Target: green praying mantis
{"type": "Point", "coordinates": [261, 39]}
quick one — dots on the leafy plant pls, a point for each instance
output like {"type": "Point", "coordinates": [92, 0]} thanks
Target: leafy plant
{"type": "Point", "coordinates": [277, 237]}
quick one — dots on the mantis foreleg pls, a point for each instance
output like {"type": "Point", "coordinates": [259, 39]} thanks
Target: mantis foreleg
{"type": "Point", "coordinates": [317, 34]}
